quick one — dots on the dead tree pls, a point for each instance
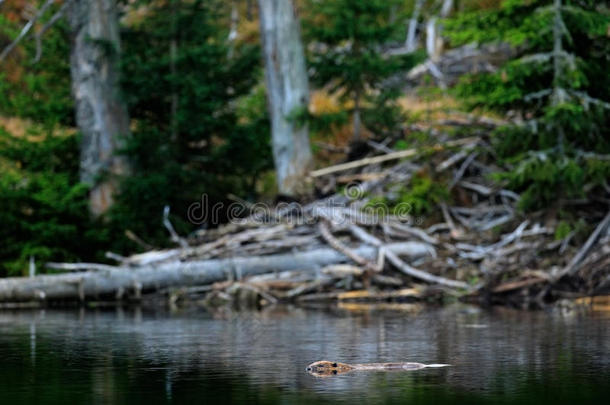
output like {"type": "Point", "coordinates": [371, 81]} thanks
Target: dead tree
{"type": "Point", "coordinates": [287, 92]}
{"type": "Point", "coordinates": [410, 43]}
{"type": "Point", "coordinates": [101, 115]}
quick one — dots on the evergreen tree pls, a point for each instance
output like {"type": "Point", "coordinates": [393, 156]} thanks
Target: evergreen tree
{"type": "Point", "coordinates": [347, 55]}
{"type": "Point", "coordinates": [558, 85]}
{"type": "Point", "coordinates": [198, 128]}
{"type": "Point", "coordinates": [35, 77]}
{"type": "Point", "coordinates": [214, 140]}
{"type": "Point", "coordinates": [44, 207]}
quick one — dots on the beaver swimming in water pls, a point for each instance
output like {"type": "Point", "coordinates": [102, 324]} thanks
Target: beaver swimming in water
{"type": "Point", "coordinates": [327, 368]}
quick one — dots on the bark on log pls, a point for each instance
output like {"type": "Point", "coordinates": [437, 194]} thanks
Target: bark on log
{"type": "Point", "coordinates": [287, 92]}
{"type": "Point", "coordinates": [120, 280]}
{"type": "Point", "coordinates": [101, 115]}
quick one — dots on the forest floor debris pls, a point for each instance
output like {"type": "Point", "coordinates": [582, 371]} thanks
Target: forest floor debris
{"type": "Point", "coordinates": [372, 240]}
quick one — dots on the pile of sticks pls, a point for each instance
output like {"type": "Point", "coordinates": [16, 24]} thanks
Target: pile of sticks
{"type": "Point", "coordinates": [342, 248]}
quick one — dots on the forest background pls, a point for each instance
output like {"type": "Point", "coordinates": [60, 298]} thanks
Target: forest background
{"type": "Point", "coordinates": [192, 80]}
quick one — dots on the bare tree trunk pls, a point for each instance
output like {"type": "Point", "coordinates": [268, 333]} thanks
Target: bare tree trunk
{"type": "Point", "coordinates": [434, 41]}
{"type": "Point", "coordinates": [356, 118]}
{"type": "Point", "coordinates": [101, 116]}
{"type": "Point", "coordinates": [431, 37]}
{"type": "Point", "coordinates": [410, 43]}
{"type": "Point", "coordinates": [233, 28]}
{"type": "Point", "coordinates": [173, 55]}
{"type": "Point", "coordinates": [559, 94]}
{"type": "Point", "coordinates": [446, 8]}
{"type": "Point", "coordinates": [287, 92]}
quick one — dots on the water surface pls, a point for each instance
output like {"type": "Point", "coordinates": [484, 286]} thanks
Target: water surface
{"type": "Point", "coordinates": [132, 356]}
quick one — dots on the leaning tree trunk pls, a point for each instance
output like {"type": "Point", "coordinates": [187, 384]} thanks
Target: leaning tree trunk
{"type": "Point", "coordinates": [287, 92]}
{"type": "Point", "coordinates": [101, 116]}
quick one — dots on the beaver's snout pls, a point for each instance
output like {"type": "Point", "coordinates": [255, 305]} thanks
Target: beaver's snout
{"type": "Point", "coordinates": [326, 368]}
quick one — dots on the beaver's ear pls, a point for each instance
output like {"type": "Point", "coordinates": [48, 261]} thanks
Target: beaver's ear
{"type": "Point", "coordinates": [334, 364]}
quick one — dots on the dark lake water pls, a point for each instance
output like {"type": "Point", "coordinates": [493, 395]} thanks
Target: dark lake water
{"type": "Point", "coordinates": [131, 356]}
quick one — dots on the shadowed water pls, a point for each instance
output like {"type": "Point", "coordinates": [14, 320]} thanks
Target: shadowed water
{"type": "Point", "coordinates": [131, 356]}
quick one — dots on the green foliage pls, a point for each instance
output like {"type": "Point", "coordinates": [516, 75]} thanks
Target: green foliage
{"type": "Point", "coordinates": [44, 207]}
{"type": "Point", "coordinates": [383, 115]}
{"type": "Point", "coordinates": [542, 176]}
{"type": "Point", "coordinates": [200, 128]}
{"type": "Point", "coordinates": [422, 196]}
{"type": "Point", "coordinates": [38, 90]}
{"type": "Point", "coordinates": [320, 123]}
{"type": "Point", "coordinates": [560, 150]}
{"type": "Point", "coordinates": [216, 143]}
{"type": "Point", "coordinates": [346, 55]}
{"type": "Point", "coordinates": [562, 230]}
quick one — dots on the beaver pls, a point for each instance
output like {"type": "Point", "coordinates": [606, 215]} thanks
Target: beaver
{"type": "Point", "coordinates": [327, 368]}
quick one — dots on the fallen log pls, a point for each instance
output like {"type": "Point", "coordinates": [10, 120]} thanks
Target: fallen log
{"type": "Point", "coordinates": [118, 281]}
{"type": "Point", "coordinates": [389, 156]}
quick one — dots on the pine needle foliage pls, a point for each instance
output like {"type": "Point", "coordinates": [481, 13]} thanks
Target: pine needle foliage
{"type": "Point", "coordinates": [44, 206]}
{"type": "Point", "coordinates": [558, 88]}
{"type": "Point", "coordinates": [199, 128]}
{"type": "Point", "coordinates": [348, 40]}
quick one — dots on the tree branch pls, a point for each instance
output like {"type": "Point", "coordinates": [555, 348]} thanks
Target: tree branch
{"type": "Point", "coordinates": [26, 28]}
{"type": "Point", "coordinates": [174, 235]}
{"type": "Point", "coordinates": [586, 99]}
{"type": "Point", "coordinates": [401, 265]}
{"type": "Point", "coordinates": [49, 24]}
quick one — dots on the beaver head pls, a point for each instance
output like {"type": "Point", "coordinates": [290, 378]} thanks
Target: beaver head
{"type": "Point", "coordinates": [327, 368]}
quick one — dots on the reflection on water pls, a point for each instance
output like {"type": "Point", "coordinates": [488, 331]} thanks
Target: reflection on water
{"type": "Point", "coordinates": [130, 356]}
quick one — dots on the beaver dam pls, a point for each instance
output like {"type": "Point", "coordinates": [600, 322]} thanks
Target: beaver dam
{"type": "Point", "coordinates": [360, 243]}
